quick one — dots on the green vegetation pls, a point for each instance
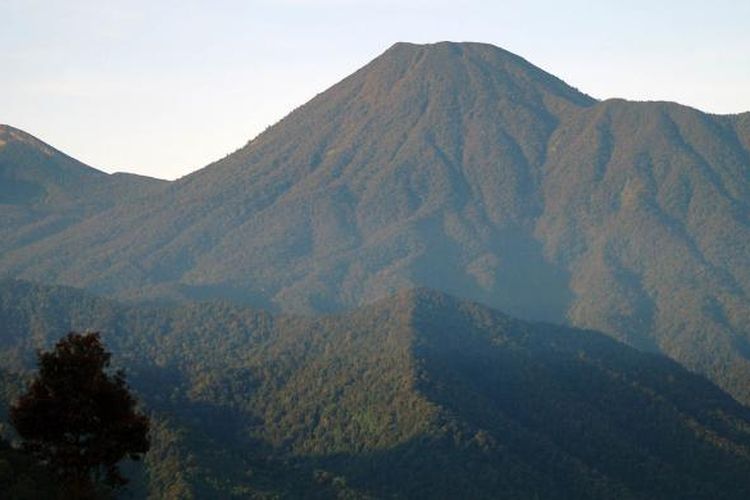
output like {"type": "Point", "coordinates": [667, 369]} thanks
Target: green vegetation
{"type": "Point", "coordinates": [79, 419]}
{"type": "Point", "coordinates": [416, 395]}
{"type": "Point", "coordinates": [44, 192]}
{"type": "Point", "coordinates": [21, 478]}
{"type": "Point", "coordinates": [458, 167]}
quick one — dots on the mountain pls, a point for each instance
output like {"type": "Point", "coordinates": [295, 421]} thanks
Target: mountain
{"type": "Point", "coordinates": [416, 395]}
{"type": "Point", "coordinates": [43, 191]}
{"type": "Point", "coordinates": [463, 168]}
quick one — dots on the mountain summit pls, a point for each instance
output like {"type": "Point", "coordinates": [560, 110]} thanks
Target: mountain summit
{"type": "Point", "coordinates": [44, 191]}
{"type": "Point", "coordinates": [31, 170]}
{"type": "Point", "coordinates": [464, 168]}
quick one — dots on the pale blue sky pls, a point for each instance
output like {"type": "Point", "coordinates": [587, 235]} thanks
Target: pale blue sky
{"type": "Point", "coordinates": [165, 87]}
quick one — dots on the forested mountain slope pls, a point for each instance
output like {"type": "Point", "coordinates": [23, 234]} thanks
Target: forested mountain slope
{"type": "Point", "coordinates": [43, 191]}
{"type": "Point", "coordinates": [464, 168]}
{"type": "Point", "coordinates": [417, 395]}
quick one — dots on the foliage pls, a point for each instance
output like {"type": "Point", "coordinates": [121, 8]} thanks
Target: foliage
{"type": "Point", "coordinates": [78, 418]}
{"type": "Point", "coordinates": [22, 478]}
{"type": "Point", "coordinates": [416, 395]}
{"type": "Point", "coordinates": [458, 167]}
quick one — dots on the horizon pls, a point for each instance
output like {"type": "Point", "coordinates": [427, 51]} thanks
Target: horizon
{"type": "Point", "coordinates": [162, 102]}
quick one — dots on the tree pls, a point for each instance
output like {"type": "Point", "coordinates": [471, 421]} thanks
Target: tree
{"type": "Point", "coordinates": [21, 478]}
{"type": "Point", "coordinates": [78, 416]}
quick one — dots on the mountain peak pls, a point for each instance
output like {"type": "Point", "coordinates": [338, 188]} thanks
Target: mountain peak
{"type": "Point", "coordinates": [12, 135]}
{"type": "Point", "coordinates": [32, 171]}
{"type": "Point", "coordinates": [474, 63]}
{"type": "Point", "coordinates": [454, 166]}
{"type": "Point", "coordinates": [448, 48]}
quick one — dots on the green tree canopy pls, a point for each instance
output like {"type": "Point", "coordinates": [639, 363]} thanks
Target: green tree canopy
{"type": "Point", "coordinates": [78, 416]}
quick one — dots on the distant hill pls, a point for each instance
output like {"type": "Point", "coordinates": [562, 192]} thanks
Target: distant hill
{"type": "Point", "coordinates": [417, 395]}
{"type": "Point", "coordinates": [463, 168]}
{"type": "Point", "coordinates": [43, 191]}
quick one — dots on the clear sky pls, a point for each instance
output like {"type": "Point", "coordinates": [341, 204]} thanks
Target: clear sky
{"type": "Point", "coordinates": [163, 88]}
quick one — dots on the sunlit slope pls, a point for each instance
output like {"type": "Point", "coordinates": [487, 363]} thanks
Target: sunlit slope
{"type": "Point", "coordinates": [464, 168]}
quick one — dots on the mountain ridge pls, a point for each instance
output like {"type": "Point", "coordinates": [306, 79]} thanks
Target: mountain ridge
{"type": "Point", "coordinates": [418, 393]}
{"type": "Point", "coordinates": [460, 168]}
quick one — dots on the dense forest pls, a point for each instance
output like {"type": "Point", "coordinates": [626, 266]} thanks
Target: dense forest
{"type": "Point", "coordinates": [455, 166]}
{"type": "Point", "coordinates": [271, 314]}
{"type": "Point", "coordinates": [417, 395]}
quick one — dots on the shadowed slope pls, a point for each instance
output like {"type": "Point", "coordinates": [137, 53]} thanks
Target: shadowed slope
{"type": "Point", "coordinates": [428, 147]}
{"type": "Point", "coordinates": [419, 394]}
{"type": "Point", "coordinates": [647, 206]}
{"type": "Point", "coordinates": [464, 168]}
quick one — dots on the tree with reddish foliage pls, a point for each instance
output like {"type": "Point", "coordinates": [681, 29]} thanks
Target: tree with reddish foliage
{"type": "Point", "coordinates": [79, 418]}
